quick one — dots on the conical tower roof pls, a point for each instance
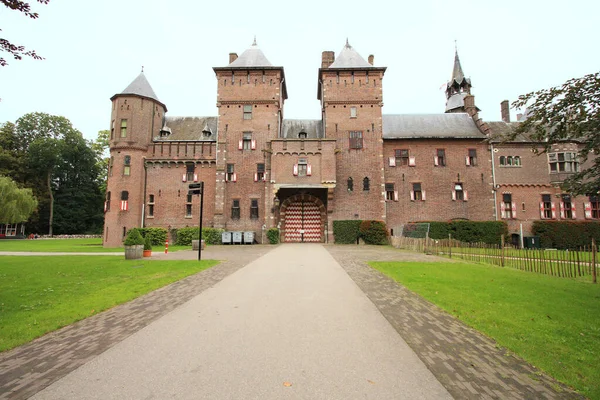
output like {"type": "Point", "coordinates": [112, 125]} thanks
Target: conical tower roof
{"type": "Point", "coordinates": [253, 57]}
{"type": "Point", "coordinates": [140, 87]}
{"type": "Point", "coordinates": [349, 58]}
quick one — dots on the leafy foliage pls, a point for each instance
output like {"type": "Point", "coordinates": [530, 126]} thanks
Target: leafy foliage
{"type": "Point", "coordinates": [469, 231]}
{"type": "Point", "coordinates": [157, 236]}
{"type": "Point", "coordinates": [566, 234]}
{"type": "Point", "coordinates": [133, 238]}
{"type": "Point", "coordinates": [273, 235]}
{"type": "Point", "coordinates": [373, 232]}
{"type": "Point", "coordinates": [18, 51]}
{"type": "Point", "coordinates": [346, 231]}
{"type": "Point", "coordinates": [184, 236]}
{"type": "Point", "coordinates": [147, 243]}
{"type": "Point", "coordinates": [16, 205]}
{"type": "Point", "coordinates": [570, 112]}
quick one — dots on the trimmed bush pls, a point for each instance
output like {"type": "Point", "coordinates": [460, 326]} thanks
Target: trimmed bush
{"type": "Point", "coordinates": [346, 231]}
{"type": "Point", "coordinates": [184, 236]}
{"type": "Point", "coordinates": [133, 238]}
{"type": "Point", "coordinates": [273, 235]}
{"type": "Point", "coordinates": [566, 234]}
{"type": "Point", "coordinates": [147, 243]}
{"type": "Point", "coordinates": [157, 236]}
{"type": "Point", "coordinates": [373, 232]}
{"type": "Point", "coordinates": [469, 231]}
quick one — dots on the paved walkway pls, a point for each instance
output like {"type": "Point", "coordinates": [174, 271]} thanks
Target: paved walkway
{"type": "Point", "coordinates": [282, 319]}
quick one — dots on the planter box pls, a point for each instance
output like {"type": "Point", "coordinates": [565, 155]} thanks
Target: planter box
{"type": "Point", "coordinates": [147, 253]}
{"type": "Point", "coordinates": [134, 252]}
{"type": "Point", "coordinates": [195, 245]}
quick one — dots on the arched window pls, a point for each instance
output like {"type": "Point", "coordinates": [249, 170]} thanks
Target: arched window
{"type": "Point", "coordinates": [517, 160]}
{"type": "Point", "coordinates": [366, 183]}
{"type": "Point", "coordinates": [509, 160]}
{"type": "Point", "coordinates": [502, 160]}
{"type": "Point", "coordinates": [350, 184]}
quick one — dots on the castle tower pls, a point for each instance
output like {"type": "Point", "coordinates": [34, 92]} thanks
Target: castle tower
{"type": "Point", "coordinates": [250, 96]}
{"type": "Point", "coordinates": [457, 88]}
{"type": "Point", "coordinates": [350, 91]}
{"type": "Point", "coordinates": [136, 119]}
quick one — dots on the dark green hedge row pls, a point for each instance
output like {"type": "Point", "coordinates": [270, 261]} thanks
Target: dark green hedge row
{"type": "Point", "coordinates": [157, 236]}
{"type": "Point", "coordinates": [349, 231]}
{"type": "Point", "coordinates": [184, 236]}
{"type": "Point", "coordinates": [566, 234]}
{"type": "Point", "coordinates": [273, 235]}
{"type": "Point", "coordinates": [469, 231]}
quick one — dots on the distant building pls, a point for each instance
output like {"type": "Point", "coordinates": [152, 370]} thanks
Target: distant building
{"type": "Point", "coordinates": [261, 170]}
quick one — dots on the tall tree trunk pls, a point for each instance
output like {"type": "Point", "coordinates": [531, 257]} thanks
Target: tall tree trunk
{"type": "Point", "coordinates": [51, 202]}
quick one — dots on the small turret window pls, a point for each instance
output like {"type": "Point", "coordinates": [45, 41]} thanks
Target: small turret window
{"type": "Point", "coordinates": [350, 184]}
{"type": "Point", "coordinates": [127, 166]}
{"type": "Point", "coordinates": [366, 184]}
{"type": "Point", "coordinates": [352, 112]}
{"type": "Point", "coordinates": [123, 128]}
{"type": "Point", "coordinates": [247, 111]}
{"type": "Point", "coordinates": [302, 135]}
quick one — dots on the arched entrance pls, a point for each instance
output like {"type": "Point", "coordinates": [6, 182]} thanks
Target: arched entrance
{"type": "Point", "coordinates": [303, 218]}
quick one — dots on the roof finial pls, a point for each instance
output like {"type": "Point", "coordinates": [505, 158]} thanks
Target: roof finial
{"type": "Point", "coordinates": [347, 44]}
{"type": "Point", "coordinates": [142, 69]}
{"type": "Point", "coordinates": [254, 43]}
{"type": "Point", "coordinates": [455, 46]}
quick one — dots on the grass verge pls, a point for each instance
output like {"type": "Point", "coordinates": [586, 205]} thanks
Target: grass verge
{"type": "Point", "coordinates": [41, 294]}
{"type": "Point", "coordinates": [553, 323]}
{"type": "Point", "coordinates": [70, 246]}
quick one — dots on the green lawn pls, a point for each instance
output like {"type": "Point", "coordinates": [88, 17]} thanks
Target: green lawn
{"type": "Point", "coordinates": [70, 246]}
{"type": "Point", "coordinates": [42, 294]}
{"type": "Point", "coordinates": [553, 323]}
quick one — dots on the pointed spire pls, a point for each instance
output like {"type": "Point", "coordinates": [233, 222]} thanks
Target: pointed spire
{"type": "Point", "coordinates": [348, 44]}
{"type": "Point", "coordinates": [140, 87]}
{"type": "Point", "coordinates": [457, 72]}
{"type": "Point", "coordinates": [349, 58]}
{"type": "Point", "coordinates": [252, 57]}
{"type": "Point", "coordinates": [254, 43]}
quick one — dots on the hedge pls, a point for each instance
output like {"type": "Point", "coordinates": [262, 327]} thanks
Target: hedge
{"type": "Point", "coordinates": [157, 236]}
{"type": "Point", "coordinates": [469, 231]}
{"type": "Point", "coordinates": [273, 235]}
{"type": "Point", "coordinates": [349, 231]}
{"type": "Point", "coordinates": [184, 236]}
{"type": "Point", "coordinates": [566, 234]}
{"type": "Point", "coordinates": [346, 231]}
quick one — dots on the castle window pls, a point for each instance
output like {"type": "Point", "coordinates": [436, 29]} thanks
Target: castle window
{"type": "Point", "coordinates": [566, 207]}
{"type": "Point", "coordinates": [247, 139]}
{"type": "Point", "coordinates": [302, 166]}
{"type": "Point", "coordinates": [506, 208]}
{"type": "Point", "coordinates": [189, 173]}
{"type": "Point", "coordinates": [356, 140]}
{"type": "Point", "coordinates": [124, 200]}
{"type": "Point", "coordinates": [471, 159]}
{"type": "Point", "coordinates": [260, 172]}
{"type": "Point", "coordinates": [254, 209]}
{"type": "Point", "coordinates": [458, 193]}
{"type": "Point", "coordinates": [401, 157]}
{"type": "Point", "coordinates": [563, 162]}
{"type": "Point", "coordinates": [107, 203]}
{"type": "Point", "coordinates": [440, 158]}
{"type": "Point", "coordinates": [151, 205]}
{"type": "Point", "coordinates": [366, 185]}
{"type": "Point", "coordinates": [302, 135]}
{"type": "Point", "coordinates": [230, 176]}
{"type": "Point", "coordinates": [350, 184]}
{"type": "Point", "coordinates": [123, 128]}
{"type": "Point", "coordinates": [112, 130]}
{"type": "Point", "coordinates": [127, 166]}
{"type": "Point", "coordinates": [595, 206]}
{"type": "Point", "coordinates": [247, 111]}
{"type": "Point", "coordinates": [546, 207]}
{"type": "Point", "coordinates": [417, 193]}
{"type": "Point", "coordinates": [517, 161]}
{"type": "Point", "coordinates": [188, 206]}
{"type": "Point", "coordinates": [502, 161]}
{"type": "Point", "coordinates": [390, 192]}
{"type": "Point", "coordinates": [235, 209]}
{"type": "Point", "coordinates": [353, 111]}
{"type": "Point", "coordinates": [110, 167]}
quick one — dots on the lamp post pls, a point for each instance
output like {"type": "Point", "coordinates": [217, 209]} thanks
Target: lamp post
{"type": "Point", "coordinates": [198, 188]}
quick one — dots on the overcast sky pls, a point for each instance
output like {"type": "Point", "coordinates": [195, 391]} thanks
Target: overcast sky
{"type": "Point", "coordinates": [94, 49]}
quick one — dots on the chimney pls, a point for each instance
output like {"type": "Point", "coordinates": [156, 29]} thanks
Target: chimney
{"type": "Point", "coordinates": [327, 58]}
{"type": "Point", "coordinates": [371, 59]}
{"type": "Point", "coordinates": [469, 102]}
{"type": "Point", "coordinates": [519, 117]}
{"type": "Point", "coordinates": [504, 111]}
{"type": "Point", "coordinates": [232, 57]}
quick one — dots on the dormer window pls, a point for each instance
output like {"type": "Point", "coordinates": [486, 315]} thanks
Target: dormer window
{"type": "Point", "coordinates": [302, 135]}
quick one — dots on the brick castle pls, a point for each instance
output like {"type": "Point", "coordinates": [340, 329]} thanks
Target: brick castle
{"type": "Point", "coordinates": [261, 170]}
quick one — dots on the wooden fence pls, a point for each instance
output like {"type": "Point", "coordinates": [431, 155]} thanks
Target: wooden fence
{"type": "Point", "coordinates": [560, 263]}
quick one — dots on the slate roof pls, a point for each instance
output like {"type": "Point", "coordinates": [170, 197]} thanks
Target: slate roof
{"type": "Point", "coordinates": [430, 126]}
{"type": "Point", "coordinates": [456, 101]}
{"type": "Point", "coordinates": [500, 129]}
{"type": "Point", "coordinates": [253, 57]}
{"type": "Point", "coordinates": [141, 87]}
{"type": "Point", "coordinates": [292, 127]}
{"type": "Point", "coordinates": [190, 128]}
{"type": "Point", "coordinates": [349, 58]}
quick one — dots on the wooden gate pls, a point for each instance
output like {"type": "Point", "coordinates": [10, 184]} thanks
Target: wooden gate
{"type": "Point", "coordinates": [303, 222]}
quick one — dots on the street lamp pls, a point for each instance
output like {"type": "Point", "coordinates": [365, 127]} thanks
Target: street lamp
{"type": "Point", "coordinates": [198, 188]}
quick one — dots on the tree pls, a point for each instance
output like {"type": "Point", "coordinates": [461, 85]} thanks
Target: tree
{"type": "Point", "coordinates": [44, 155]}
{"type": "Point", "coordinates": [100, 146]}
{"type": "Point", "coordinates": [15, 50]}
{"type": "Point", "coordinates": [570, 112]}
{"type": "Point", "coordinates": [16, 205]}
